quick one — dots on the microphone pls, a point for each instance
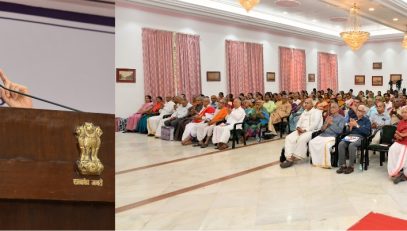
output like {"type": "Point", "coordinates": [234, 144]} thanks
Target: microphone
{"type": "Point", "coordinates": [33, 97]}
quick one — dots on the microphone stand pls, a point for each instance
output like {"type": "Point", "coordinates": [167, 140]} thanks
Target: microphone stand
{"type": "Point", "coordinates": [43, 100]}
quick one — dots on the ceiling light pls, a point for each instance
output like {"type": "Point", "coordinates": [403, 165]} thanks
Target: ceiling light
{"type": "Point", "coordinates": [285, 12]}
{"type": "Point", "coordinates": [395, 19]}
{"type": "Point", "coordinates": [314, 20]}
{"type": "Point", "coordinates": [353, 36]}
{"type": "Point", "coordinates": [249, 4]}
{"type": "Point", "coordinates": [404, 44]}
{"type": "Point", "coordinates": [371, 9]}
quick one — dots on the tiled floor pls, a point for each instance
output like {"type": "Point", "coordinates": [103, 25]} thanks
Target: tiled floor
{"type": "Point", "coordinates": [301, 197]}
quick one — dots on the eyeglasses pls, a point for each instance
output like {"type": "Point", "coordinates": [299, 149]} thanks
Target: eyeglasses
{"type": "Point", "coordinates": [361, 111]}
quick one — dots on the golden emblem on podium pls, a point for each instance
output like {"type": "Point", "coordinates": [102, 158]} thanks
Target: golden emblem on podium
{"type": "Point", "coordinates": [88, 136]}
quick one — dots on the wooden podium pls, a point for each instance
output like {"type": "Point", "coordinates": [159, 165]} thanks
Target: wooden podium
{"type": "Point", "coordinates": [38, 154]}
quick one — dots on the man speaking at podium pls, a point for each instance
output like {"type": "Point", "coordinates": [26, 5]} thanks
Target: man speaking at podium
{"type": "Point", "coordinates": [13, 99]}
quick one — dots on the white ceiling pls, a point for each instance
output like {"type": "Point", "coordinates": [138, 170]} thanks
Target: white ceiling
{"type": "Point", "coordinates": [310, 19]}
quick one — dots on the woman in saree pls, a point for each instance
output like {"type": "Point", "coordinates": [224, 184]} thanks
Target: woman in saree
{"type": "Point", "coordinates": [296, 112]}
{"type": "Point", "coordinates": [155, 110]}
{"type": "Point", "coordinates": [257, 118]}
{"type": "Point", "coordinates": [133, 120]}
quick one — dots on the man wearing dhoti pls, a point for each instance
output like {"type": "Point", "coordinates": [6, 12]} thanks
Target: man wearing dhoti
{"type": "Point", "coordinates": [320, 146]}
{"type": "Point", "coordinates": [397, 157]}
{"type": "Point", "coordinates": [221, 133]}
{"type": "Point", "coordinates": [206, 129]}
{"type": "Point", "coordinates": [154, 121]}
{"type": "Point", "coordinates": [203, 116]}
{"type": "Point", "coordinates": [296, 142]}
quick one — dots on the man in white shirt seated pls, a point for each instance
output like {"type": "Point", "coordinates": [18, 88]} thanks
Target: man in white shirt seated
{"type": "Point", "coordinates": [221, 133]}
{"type": "Point", "coordinates": [378, 120]}
{"type": "Point", "coordinates": [180, 112]}
{"type": "Point", "coordinates": [296, 142]}
{"type": "Point", "coordinates": [154, 121]}
{"type": "Point", "coordinates": [13, 99]}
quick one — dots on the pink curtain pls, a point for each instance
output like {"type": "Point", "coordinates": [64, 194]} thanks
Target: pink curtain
{"type": "Point", "coordinates": [292, 69]}
{"type": "Point", "coordinates": [188, 65]}
{"type": "Point", "coordinates": [158, 63]}
{"type": "Point", "coordinates": [244, 68]}
{"type": "Point", "coordinates": [327, 71]}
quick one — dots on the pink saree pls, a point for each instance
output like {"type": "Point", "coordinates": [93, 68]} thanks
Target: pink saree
{"type": "Point", "coordinates": [133, 120]}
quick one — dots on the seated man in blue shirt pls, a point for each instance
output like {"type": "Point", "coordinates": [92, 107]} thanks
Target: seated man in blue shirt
{"type": "Point", "coordinates": [13, 99]}
{"type": "Point", "coordinates": [359, 128]}
{"type": "Point", "coordinates": [378, 120]}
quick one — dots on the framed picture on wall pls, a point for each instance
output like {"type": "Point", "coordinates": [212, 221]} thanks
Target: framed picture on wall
{"type": "Point", "coordinates": [377, 80]}
{"type": "Point", "coordinates": [395, 77]}
{"type": "Point", "coordinates": [359, 80]}
{"type": "Point", "coordinates": [212, 76]}
{"type": "Point", "coordinates": [271, 76]}
{"type": "Point", "coordinates": [311, 77]}
{"type": "Point", "coordinates": [125, 75]}
{"type": "Point", "coordinates": [377, 65]}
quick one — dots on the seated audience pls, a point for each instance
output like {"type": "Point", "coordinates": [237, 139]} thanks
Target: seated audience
{"type": "Point", "coordinates": [173, 120]}
{"type": "Point", "coordinates": [204, 115]}
{"type": "Point", "coordinates": [221, 133]}
{"type": "Point", "coordinates": [155, 110]}
{"type": "Point", "coordinates": [204, 130]}
{"type": "Point", "coordinates": [296, 112]}
{"type": "Point", "coordinates": [256, 119]}
{"type": "Point", "coordinates": [353, 105]}
{"type": "Point", "coordinates": [283, 110]}
{"type": "Point", "coordinates": [358, 130]}
{"type": "Point", "coordinates": [197, 105]}
{"type": "Point", "coordinates": [168, 109]}
{"type": "Point", "coordinates": [341, 102]}
{"type": "Point", "coordinates": [320, 146]}
{"type": "Point", "coordinates": [378, 120]}
{"type": "Point", "coordinates": [133, 120]}
{"type": "Point", "coordinates": [395, 112]}
{"type": "Point", "coordinates": [388, 103]}
{"type": "Point", "coordinates": [214, 101]}
{"type": "Point", "coordinates": [269, 105]}
{"type": "Point", "coordinates": [296, 142]}
{"type": "Point", "coordinates": [397, 157]}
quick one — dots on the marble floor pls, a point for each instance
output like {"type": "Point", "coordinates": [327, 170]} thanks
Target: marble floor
{"type": "Point", "coordinates": [242, 188]}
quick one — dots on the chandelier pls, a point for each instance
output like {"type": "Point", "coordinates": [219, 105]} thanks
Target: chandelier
{"type": "Point", "coordinates": [249, 4]}
{"type": "Point", "coordinates": [404, 44]}
{"type": "Point", "coordinates": [353, 36]}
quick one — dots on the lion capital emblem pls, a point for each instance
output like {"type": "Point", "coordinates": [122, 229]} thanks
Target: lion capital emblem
{"type": "Point", "coordinates": [88, 137]}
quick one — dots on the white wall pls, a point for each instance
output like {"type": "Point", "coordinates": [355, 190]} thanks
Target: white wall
{"type": "Point", "coordinates": [391, 54]}
{"type": "Point", "coordinates": [130, 21]}
{"type": "Point", "coordinates": [70, 66]}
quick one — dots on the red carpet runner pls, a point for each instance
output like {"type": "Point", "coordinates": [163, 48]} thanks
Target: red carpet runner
{"type": "Point", "coordinates": [377, 221]}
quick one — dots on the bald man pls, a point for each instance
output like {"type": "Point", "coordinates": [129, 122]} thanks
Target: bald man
{"type": "Point", "coordinates": [13, 99]}
{"type": "Point", "coordinates": [221, 133]}
{"type": "Point", "coordinates": [296, 142]}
